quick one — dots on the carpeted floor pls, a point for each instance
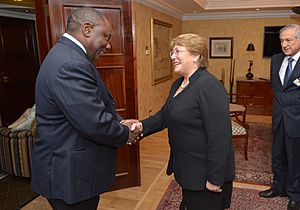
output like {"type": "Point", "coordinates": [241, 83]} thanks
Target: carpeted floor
{"type": "Point", "coordinates": [242, 199]}
{"type": "Point", "coordinates": [257, 169]}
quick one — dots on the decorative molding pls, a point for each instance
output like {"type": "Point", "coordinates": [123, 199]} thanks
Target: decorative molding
{"type": "Point", "coordinates": [239, 15]}
{"type": "Point", "coordinates": [202, 3]}
{"type": "Point", "coordinates": [166, 9]}
{"type": "Point", "coordinates": [14, 6]}
{"type": "Point", "coordinates": [20, 15]}
{"type": "Point", "coordinates": [233, 4]}
{"type": "Point", "coordinates": [225, 4]}
{"type": "Point", "coordinates": [7, 10]}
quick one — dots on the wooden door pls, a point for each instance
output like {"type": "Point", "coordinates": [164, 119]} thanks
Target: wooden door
{"type": "Point", "coordinates": [116, 68]}
{"type": "Point", "coordinates": [18, 67]}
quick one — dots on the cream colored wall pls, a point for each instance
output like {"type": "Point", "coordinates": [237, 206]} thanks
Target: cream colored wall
{"type": "Point", "coordinates": [243, 31]}
{"type": "Point", "coordinates": [150, 97]}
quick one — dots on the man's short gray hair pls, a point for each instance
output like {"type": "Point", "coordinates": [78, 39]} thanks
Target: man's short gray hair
{"type": "Point", "coordinates": [292, 26]}
{"type": "Point", "coordinates": [82, 16]}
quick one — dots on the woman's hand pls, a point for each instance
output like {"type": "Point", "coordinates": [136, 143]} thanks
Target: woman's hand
{"type": "Point", "coordinates": [213, 188]}
{"type": "Point", "coordinates": [136, 128]}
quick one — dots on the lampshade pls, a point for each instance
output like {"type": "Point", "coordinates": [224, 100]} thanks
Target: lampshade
{"type": "Point", "coordinates": [250, 47]}
{"type": "Point", "coordinates": [296, 9]}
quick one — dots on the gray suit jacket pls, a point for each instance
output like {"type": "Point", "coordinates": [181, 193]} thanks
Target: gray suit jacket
{"type": "Point", "coordinates": [78, 130]}
{"type": "Point", "coordinates": [286, 103]}
{"type": "Point", "coordinates": [199, 130]}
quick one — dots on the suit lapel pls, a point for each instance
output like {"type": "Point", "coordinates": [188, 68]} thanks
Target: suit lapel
{"type": "Point", "coordinates": [295, 74]}
{"type": "Point", "coordinates": [278, 66]}
{"type": "Point", "coordinates": [74, 46]}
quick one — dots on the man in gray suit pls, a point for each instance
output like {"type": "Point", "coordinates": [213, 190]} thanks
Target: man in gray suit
{"type": "Point", "coordinates": [285, 77]}
{"type": "Point", "coordinates": [78, 129]}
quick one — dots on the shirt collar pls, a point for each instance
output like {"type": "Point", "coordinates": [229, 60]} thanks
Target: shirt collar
{"type": "Point", "coordinates": [68, 36]}
{"type": "Point", "coordinates": [296, 56]}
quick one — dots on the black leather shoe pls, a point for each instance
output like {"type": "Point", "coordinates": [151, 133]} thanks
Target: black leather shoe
{"type": "Point", "coordinates": [270, 193]}
{"type": "Point", "coordinates": [293, 205]}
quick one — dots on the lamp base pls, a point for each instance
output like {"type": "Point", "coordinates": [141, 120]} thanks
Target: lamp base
{"type": "Point", "coordinates": [249, 75]}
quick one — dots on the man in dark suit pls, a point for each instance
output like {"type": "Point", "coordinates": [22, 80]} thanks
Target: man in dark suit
{"type": "Point", "coordinates": [285, 77]}
{"type": "Point", "coordinates": [78, 129]}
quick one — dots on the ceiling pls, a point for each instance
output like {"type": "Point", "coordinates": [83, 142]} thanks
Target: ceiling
{"type": "Point", "coordinates": [206, 9]}
{"type": "Point", "coordinates": [189, 6]}
{"type": "Point", "coordinates": [216, 9]}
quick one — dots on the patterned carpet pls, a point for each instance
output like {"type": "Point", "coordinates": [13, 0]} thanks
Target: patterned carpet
{"type": "Point", "coordinates": [257, 169]}
{"type": "Point", "coordinates": [242, 199]}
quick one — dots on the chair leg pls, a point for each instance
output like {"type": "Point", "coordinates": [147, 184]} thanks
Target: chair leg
{"type": "Point", "coordinates": [246, 148]}
{"type": "Point", "coordinates": [244, 118]}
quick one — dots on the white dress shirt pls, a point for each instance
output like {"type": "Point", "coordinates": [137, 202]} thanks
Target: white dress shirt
{"type": "Point", "coordinates": [68, 36]}
{"type": "Point", "coordinates": [285, 64]}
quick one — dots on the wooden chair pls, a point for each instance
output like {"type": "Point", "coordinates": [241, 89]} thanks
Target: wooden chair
{"type": "Point", "coordinates": [241, 130]}
{"type": "Point", "coordinates": [238, 111]}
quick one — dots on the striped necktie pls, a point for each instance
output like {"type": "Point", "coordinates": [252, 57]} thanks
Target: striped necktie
{"type": "Point", "coordinates": [288, 71]}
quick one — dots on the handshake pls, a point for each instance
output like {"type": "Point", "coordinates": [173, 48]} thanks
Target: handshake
{"type": "Point", "coordinates": [135, 130]}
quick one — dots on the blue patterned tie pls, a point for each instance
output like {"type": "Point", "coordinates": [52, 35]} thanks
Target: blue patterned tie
{"type": "Point", "coordinates": [288, 71]}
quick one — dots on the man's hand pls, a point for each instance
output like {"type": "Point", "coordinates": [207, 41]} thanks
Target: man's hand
{"type": "Point", "coordinates": [133, 137]}
{"type": "Point", "coordinates": [130, 123]}
{"type": "Point", "coordinates": [135, 127]}
{"type": "Point", "coordinates": [213, 188]}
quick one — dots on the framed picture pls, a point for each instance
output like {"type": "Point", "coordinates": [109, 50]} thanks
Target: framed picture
{"type": "Point", "coordinates": [220, 47]}
{"type": "Point", "coordinates": [161, 64]}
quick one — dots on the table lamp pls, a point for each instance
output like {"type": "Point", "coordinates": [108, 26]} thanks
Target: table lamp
{"type": "Point", "coordinates": [250, 49]}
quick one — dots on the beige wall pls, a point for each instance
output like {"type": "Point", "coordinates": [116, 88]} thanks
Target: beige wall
{"type": "Point", "coordinates": [150, 97]}
{"type": "Point", "coordinates": [243, 31]}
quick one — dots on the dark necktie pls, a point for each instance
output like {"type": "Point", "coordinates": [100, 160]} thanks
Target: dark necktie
{"type": "Point", "coordinates": [288, 71]}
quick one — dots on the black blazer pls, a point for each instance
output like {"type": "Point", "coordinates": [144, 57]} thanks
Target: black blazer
{"type": "Point", "coordinates": [286, 103]}
{"type": "Point", "coordinates": [199, 131]}
{"type": "Point", "coordinates": [78, 130]}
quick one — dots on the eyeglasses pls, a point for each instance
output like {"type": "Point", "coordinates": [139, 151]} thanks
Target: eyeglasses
{"type": "Point", "coordinates": [176, 52]}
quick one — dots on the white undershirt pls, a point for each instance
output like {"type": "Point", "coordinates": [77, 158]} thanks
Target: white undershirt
{"type": "Point", "coordinates": [68, 36]}
{"type": "Point", "coordinates": [285, 64]}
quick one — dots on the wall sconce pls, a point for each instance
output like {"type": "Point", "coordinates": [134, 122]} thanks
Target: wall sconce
{"type": "Point", "coordinates": [250, 49]}
{"type": "Point", "coordinates": [147, 51]}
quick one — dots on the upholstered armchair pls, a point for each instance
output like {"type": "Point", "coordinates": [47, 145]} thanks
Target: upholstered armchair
{"type": "Point", "coordinates": [16, 149]}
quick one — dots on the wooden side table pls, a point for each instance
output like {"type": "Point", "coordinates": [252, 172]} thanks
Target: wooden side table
{"type": "Point", "coordinates": [258, 93]}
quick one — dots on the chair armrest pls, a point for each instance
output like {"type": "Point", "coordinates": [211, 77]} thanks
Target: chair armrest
{"type": "Point", "coordinates": [15, 151]}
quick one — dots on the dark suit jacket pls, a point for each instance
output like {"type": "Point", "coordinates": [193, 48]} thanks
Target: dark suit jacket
{"type": "Point", "coordinates": [199, 131]}
{"type": "Point", "coordinates": [286, 103]}
{"type": "Point", "coordinates": [78, 130]}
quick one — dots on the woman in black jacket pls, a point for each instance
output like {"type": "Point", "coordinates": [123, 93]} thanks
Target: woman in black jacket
{"type": "Point", "coordinates": [196, 114]}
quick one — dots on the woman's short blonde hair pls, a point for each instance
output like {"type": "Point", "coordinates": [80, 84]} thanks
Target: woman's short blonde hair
{"type": "Point", "coordinates": [195, 44]}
